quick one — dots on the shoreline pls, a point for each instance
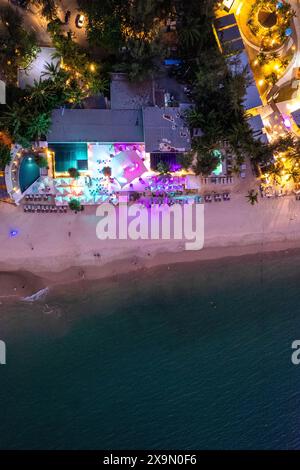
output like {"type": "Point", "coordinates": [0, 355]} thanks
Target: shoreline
{"type": "Point", "coordinates": [16, 285]}
{"type": "Point", "coordinates": [59, 249]}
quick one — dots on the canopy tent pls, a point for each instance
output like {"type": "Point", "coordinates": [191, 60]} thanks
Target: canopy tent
{"type": "Point", "coordinates": [126, 167]}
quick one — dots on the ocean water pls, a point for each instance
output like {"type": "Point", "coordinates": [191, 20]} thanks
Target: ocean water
{"type": "Point", "coordinates": [194, 356]}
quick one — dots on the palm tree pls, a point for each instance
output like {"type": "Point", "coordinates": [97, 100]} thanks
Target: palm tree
{"type": "Point", "coordinates": [74, 173]}
{"type": "Point", "coordinates": [51, 70]}
{"type": "Point", "coordinates": [190, 33]}
{"type": "Point", "coordinates": [5, 155]}
{"type": "Point", "coordinates": [275, 173]}
{"type": "Point", "coordinates": [75, 205]}
{"type": "Point", "coordinates": [163, 168]}
{"type": "Point", "coordinates": [12, 120]}
{"type": "Point", "coordinates": [262, 58]}
{"type": "Point", "coordinates": [294, 174]}
{"type": "Point", "coordinates": [194, 118]}
{"type": "Point", "coordinates": [43, 96]}
{"type": "Point", "coordinates": [39, 126]}
{"type": "Point", "coordinates": [41, 161]}
{"type": "Point", "coordinates": [207, 161]}
{"type": "Point", "coordinates": [252, 197]}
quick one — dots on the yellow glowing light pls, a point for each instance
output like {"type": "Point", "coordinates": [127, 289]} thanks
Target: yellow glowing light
{"type": "Point", "coordinates": [261, 82]}
{"type": "Point", "coordinates": [238, 11]}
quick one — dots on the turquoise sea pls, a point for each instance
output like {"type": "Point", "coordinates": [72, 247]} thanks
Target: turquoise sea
{"type": "Point", "coordinates": [197, 356]}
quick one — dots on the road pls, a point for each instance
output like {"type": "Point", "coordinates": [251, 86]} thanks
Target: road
{"type": "Point", "coordinates": [34, 21]}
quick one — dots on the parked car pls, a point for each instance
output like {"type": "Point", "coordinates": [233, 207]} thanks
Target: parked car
{"type": "Point", "coordinates": [79, 21]}
{"type": "Point", "coordinates": [67, 16]}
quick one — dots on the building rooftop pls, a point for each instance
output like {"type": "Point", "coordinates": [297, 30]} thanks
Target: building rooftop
{"type": "Point", "coordinates": [252, 98]}
{"type": "Point", "coordinates": [165, 130]}
{"type": "Point", "coordinates": [296, 116]}
{"type": "Point", "coordinates": [96, 125]}
{"type": "Point", "coordinates": [257, 126]}
{"type": "Point", "coordinates": [225, 21]}
{"type": "Point", "coordinates": [127, 95]}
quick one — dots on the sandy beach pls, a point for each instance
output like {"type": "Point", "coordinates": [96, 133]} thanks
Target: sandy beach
{"type": "Point", "coordinates": [62, 248]}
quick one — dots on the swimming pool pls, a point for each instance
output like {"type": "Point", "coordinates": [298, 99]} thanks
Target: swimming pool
{"type": "Point", "coordinates": [29, 172]}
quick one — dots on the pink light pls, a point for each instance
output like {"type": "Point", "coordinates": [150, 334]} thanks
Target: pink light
{"type": "Point", "coordinates": [287, 123]}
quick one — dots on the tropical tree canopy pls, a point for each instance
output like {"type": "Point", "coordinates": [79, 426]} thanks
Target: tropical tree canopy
{"type": "Point", "coordinates": [5, 155]}
{"type": "Point", "coordinates": [75, 205]}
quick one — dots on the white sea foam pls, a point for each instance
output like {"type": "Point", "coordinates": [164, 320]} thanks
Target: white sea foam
{"type": "Point", "coordinates": [39, 295]}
